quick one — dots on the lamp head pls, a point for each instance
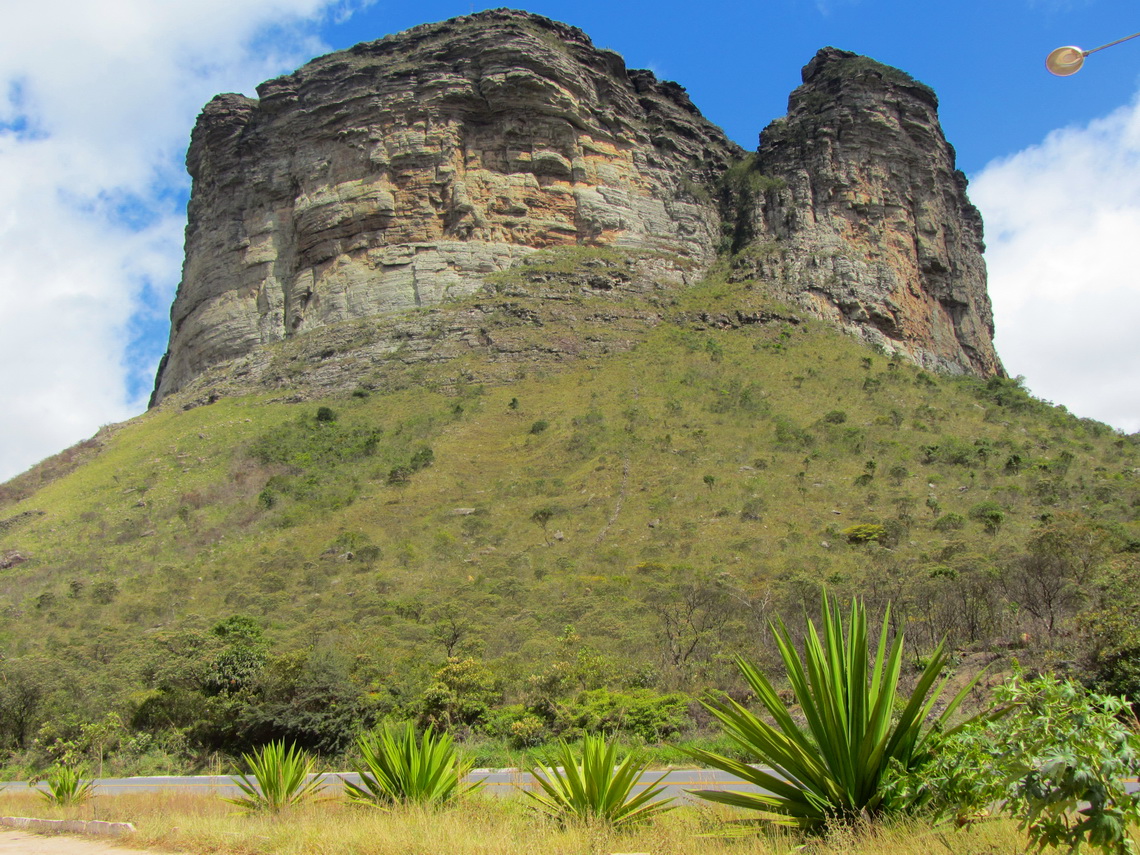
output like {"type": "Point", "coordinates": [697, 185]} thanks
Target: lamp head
{"type": "Point", "coordinates": [1065, 60]}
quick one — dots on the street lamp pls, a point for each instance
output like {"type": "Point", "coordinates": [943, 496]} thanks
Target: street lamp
{"type": "Point", "coordinates": [1068, 60]}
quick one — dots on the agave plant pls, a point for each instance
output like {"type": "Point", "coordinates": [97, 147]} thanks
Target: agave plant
{"type": "Point", "coordinates": [835, 767]}
{"type": "Point", "coordinates": [398, 768]}
{"type": "Point", "coordinates": [67, 787]}
{"type": "Point", "coordinates": [596, 787]}
{"type": "Point", "coordinates": [277, 777]}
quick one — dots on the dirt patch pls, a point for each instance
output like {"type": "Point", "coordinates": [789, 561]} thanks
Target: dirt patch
{"type": "Point", "coordinates": [23, 843]}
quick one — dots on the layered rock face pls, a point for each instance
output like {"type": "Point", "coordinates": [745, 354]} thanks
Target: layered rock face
{"type": "Point", "coordinates": [401, 173]}
{"type": "Point", "coordinates": [863, 218]}
{"type": "Point", "coordinates": [398, 173]}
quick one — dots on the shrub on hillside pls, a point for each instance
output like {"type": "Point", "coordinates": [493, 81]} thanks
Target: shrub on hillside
{"type": "Point", "coordinates": [989, 514]}
{"type": "Point", "coordinates": [949, 522]}
{"type": "Point", "coordinates": [864, 533]}
{"type": "Point", "coordinates": [641, 713]}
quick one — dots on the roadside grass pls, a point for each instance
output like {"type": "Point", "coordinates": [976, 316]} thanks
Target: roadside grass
{"type": "Point", "coordinates": [195, 823]}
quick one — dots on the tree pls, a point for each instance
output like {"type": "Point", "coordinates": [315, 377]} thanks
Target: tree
{"type": "Point", "coordinates": [450, 627]}
{"type": "Point", "coordinates": [463, 692]}
{"type": "Point", "coordinates": [1061, 558]}
{"type": "Point", "coordinates": [691, 614]}
{"type": "Point", "coordinates": [307, 698]}
{"type": "Point", "coordinates": [1080, 543]}
{"type": "Point", "coordinates": [21, 702]}
{"type": "Point", "coordinates": [242, 655]}
{"type": "Point", "coordinates": [542, 518]}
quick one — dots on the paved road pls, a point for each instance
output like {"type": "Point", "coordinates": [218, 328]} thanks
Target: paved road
{"type": "Point", "coordinates": [497, 782]}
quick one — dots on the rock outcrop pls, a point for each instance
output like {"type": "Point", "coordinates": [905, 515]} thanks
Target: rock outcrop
{"type": "Point", "coordinates": [862, 217]}
{"type": "Point", "coordinates": [402, 173]}
{"type": "Point", "coordinates": [399, 173]}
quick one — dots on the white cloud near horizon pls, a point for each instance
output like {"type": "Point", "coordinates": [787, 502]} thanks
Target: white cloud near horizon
{"type": "Point", "coordinates": [1062, 230]}
{"type": "Point", "coordinates": [97, 99]}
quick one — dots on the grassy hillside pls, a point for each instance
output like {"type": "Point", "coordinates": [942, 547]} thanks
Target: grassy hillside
{"type": "Point", "coordinates": [509, 558]}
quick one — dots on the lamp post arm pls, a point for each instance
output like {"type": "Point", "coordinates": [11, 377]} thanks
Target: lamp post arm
{"type": "Point", "coordinates": [1110, 44]}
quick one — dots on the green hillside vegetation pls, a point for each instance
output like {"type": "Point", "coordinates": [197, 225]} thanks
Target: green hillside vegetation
{"type": "Point", "coordinates": [583, 548]}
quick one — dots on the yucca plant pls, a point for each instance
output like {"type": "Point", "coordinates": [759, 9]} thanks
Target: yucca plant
{"type": "Point", "coordinates": [596, 787]}
{"type": "Point", "coordinates": [834, 768]}
{"type": "Point", "coordinates": [398, 768]}
{"type": "Point", "coordinates": [276, 778]}
{"type": "Point", "coordinates": [67, 787]}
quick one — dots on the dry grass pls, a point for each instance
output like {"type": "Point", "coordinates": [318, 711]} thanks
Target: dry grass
{"type": "Point", "coordinates": [195, 823]}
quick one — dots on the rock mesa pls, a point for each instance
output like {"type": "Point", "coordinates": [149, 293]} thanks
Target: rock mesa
{"type": "Point", "coordinates": [401, 172]}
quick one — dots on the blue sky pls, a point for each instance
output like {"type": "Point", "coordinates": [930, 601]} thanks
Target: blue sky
{"type": "Point", "coordinates": [739, 61]}
{"type": "Point", "coordinates": [97, 99]}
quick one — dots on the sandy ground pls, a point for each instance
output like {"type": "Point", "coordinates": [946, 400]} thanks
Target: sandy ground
{"type": "Point", "coordinates": [21, 843]}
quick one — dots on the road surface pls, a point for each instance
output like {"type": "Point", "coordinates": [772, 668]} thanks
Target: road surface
{"type": "Point", "coordinates": [496, 782]}
{"type": "Point", "coordinates": [499, 782]}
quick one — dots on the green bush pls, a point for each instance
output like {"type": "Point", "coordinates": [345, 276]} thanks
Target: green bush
{"type": "Point", "coordinates": [462, 694]}
{"type": "Point", "coordinates": [276, 778]}
{"type": "Point", "coordinates": [641, 713]}
{"type": "Point", "coordinates": [1053, 756]}
{"type": "Point", "coordinates": [989, 514]}
{"type": "Point", "coordinates": [835, 767]}
{"type": "Point", "coordinates": [66, 787]}
{"type": "Point", "coordinates": [528, 732]}
{"type": "Point", "coordinates": [303, 444]}
{"type": "Point", "coordinates": [398, 768]}
{"type": "Point", "coordinates": [1119, 674]}
{"type": "Point", "coordinates": [421, 458]}
{"type": "Point", "coordinates": [949, 522]}
{"type": "Point", "coordinates": [596, 786]}
{"type": "Point", "coordinates": [520, 725]}
{"type": "Point", "coordinates": [789, 435]}
{"type": "Point", "coordinates": [864, 533]}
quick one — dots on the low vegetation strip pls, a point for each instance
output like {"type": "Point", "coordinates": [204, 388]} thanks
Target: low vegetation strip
{"type": "Point", "coordinates": [199, 824]}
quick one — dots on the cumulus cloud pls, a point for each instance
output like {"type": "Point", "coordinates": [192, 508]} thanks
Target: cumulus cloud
{"type": "Point", "coordinates": [1062, 220]}
{"type": "Point", "coordinates": [97, 98]}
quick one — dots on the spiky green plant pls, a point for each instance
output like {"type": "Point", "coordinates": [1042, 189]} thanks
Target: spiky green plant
{"type": "Point", "coordinates": [276, 778]}
{"type": "Point", "coordinates": [67, 787]}
{"type": "Point", "coordinates": [398, 768]}
{"type": "Point", "coordinates": [833, 768]}
{"type": "Point", "coordinates": [596, 786]}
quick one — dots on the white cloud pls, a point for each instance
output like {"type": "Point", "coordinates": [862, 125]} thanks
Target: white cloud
{"type": "Point", "coordinates": [1063, 225]}
{"type": "Point", "coordinates": [97, 99]}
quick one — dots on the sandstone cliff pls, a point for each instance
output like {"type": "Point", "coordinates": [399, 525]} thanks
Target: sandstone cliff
{"type": "Point", "coordinates": [863, 217]}
{"type": "Point", "coordinates": [403, 172]}
{"type": "Point", "coordinates": [400, 172]}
